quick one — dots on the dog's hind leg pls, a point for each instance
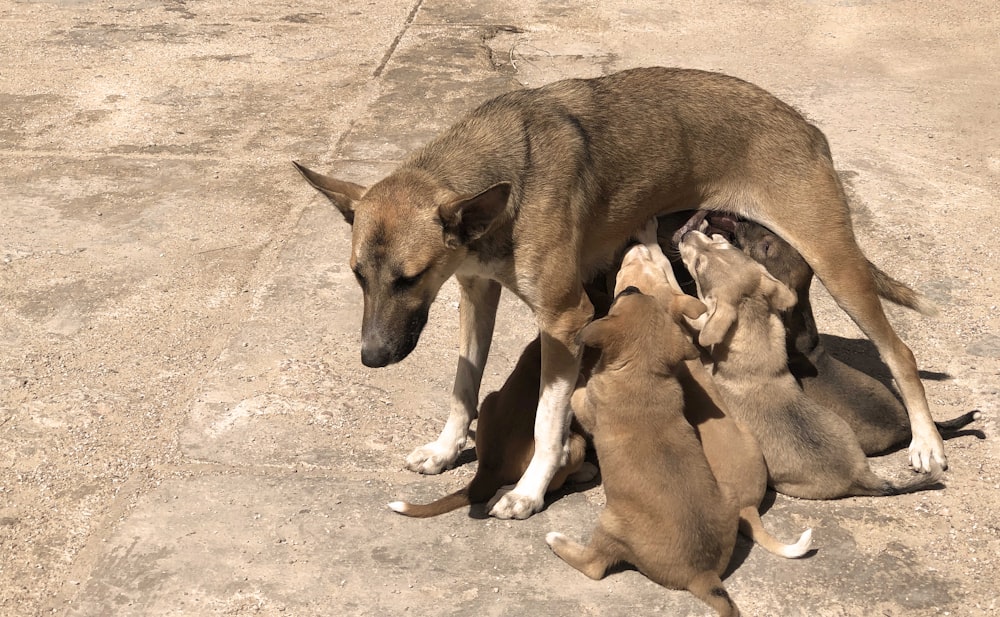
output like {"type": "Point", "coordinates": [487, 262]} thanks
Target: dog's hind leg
{"type": "Point", "coordinates": [823, 235]}
{"type": "Point", "coordinates": [477, 315]}
{"type": "Point", "coordinates": [593, 559]}
{"type": "Point", "coordinates": [708, 588]}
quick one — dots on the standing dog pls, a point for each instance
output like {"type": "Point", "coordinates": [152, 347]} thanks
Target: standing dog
{"type": "Point", "coordinates": [731, 450]}
{"type": "Point", "coordinates": [875, 415]}
{"type": "Point", "coordinates": [810, 451]}
{"type": "Point", "coordinates": [665, 511]}
{"type": "Point", "coordinates": [536, 189]}
{"type": "Point", "coordinates": [505, 441]}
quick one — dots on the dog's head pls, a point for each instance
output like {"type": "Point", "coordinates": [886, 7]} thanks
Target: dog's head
{"type": "Point", "coordinates": [725, 276]}
{"type": "Point", "coordinates": [781, 260]}
{"type": "Point", "coordinates": [409, 234]}
{"type": "Point", "coordinates": [640, 330]}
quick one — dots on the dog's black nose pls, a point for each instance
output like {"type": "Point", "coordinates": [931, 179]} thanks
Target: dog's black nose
{"type": "Point", "coordinates": [375, 356]}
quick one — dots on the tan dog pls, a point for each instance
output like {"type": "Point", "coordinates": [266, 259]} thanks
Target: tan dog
{"type": "Point", "coordinates": [665, 512]}
{"type": "Point", "coordinates": [537, 189]}
{"type": "Point", "coordinates": [874, 413]}
{"type": "Point", "coordinates": [505, 441]}
{"type": "Point", "coordinates": [732, 451]}
{"type": "Point", "coordinates": [810, 451]}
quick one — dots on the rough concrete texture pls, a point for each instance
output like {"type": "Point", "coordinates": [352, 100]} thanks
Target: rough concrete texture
{"type": "Point", "coordinates": [185, 425]}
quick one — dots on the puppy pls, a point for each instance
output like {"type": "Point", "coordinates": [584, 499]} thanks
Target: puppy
{"type": "Point", "coordinates": [504, 441]}
{"type": "Point", "coordinates": [810, 451]}
{"type": "Point", "coordinates": [537, 189]}
{"type": "Point", "coordinates": [732, 452]}
{"type": "Point", "coordinates": [873, 412]}
{"type": "Point", "coordinates": [665, 512]}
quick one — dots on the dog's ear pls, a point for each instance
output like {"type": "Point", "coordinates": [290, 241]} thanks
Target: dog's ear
{"type": "Point", "coordinates": [595, 333]}
{"type": "Point", "coordinates": [342, 194]}
{"type": "Point", "coordinates": [720, 319]}
{"type": "Point", "coordinates": [779, 296]}
{"type": "Point", "coordinates": [689, 306]}
{"type": "Point", "coordinates": [468, 218]}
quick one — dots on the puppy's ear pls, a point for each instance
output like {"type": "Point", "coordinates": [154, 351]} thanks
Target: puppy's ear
{"type": "Point", "coordinates": [342, 194]}
{"type": "Point", "coordinates": [779, 296]}
{"type": "Point", "coordinates": [595, 333]}
{"type": "Point", "coordinates": [689, 306]}
{"type": "Point", "coordinates": [720, 320]}
{"type": "Point", "coordinates": [468, 218]}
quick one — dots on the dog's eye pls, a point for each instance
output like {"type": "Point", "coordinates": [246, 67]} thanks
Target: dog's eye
{"type": "Point", "coordinates": [405, 282]}
{"type": "Point", "coordinates": [766, 248]}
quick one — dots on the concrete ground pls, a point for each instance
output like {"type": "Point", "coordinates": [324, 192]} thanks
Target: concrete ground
{"type": "Point", "coordinates": [185, 425]}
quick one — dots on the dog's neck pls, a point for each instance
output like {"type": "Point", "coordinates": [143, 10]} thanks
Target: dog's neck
{"type": "Point", "coordinates": [755, 345]}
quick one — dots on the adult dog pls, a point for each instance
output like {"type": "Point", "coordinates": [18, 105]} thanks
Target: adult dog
{"type": "Point", "coordinates": [537, 189]}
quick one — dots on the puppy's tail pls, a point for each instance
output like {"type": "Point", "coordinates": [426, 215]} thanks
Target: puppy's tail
{"type": "Point", "coordinates": [752, 527]}
{"type": "Point", "coordinates": [949, 426]}
{"type": "Point", "coordinates": [708, 588]}
{"type": "Point", "coordinates": [454, 501]}
{"type": "Point", "coordinates": [876, 486]}
{"type": "Point", "coordinates": [900, 293]}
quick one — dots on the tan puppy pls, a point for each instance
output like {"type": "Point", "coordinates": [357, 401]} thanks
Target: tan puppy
{"type": "Point", "coordinates": [537, 189]}
{"type": "Point", "coordinates": [874, 413]}
{"type": "Point", "coordinates": [505, 441]}
{"type": "Point", "coordinates": [665, 512]}
{"type": "Point", "coordinates": [732, 452]}
{"type": "Point", "coordinates": [810, 451]}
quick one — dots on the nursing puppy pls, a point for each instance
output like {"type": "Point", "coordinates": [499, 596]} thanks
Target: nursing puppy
{"type": "Point", "coordinates": [665, 512]}
{"type": "Point", "coordinates": [537, 189]}
{"type": "Point", "coordinates": [505, 441]}
{"type": "Point", "coordinates": [873, 412]}
{"type": "Point", "coordinates": [732, 452]}
{"type": "Point", "coordinates": [810, 451]}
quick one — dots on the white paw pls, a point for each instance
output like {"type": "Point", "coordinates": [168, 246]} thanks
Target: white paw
{"type": "Point", "coordinates": [432, 458]}
{"type": "Point", "coordinates": [554, 537]}
{"type": "Point", "coordinates": [514, 505]}
{"type": "Point", "coordinates": [923, 451]}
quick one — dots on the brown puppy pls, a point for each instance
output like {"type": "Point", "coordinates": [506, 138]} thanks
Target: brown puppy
{"type": "Point", "coordinates": [732, 452]}
{"type": "Point", "coordinates": [872, 411]}
{"type": "Point", "coordinates": [505, 441]}
{"type": "Point", "coordinates": [665, 512]}
{"type": "Point", "coordinates": [810, 451]}
{"type": "Point", "coordinates": [537, 189]}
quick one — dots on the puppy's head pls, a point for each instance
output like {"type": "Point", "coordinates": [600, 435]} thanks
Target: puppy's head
{"type": "Point", "coordinates": [781, 260]}
{"type": "Point", "coordinates": [725, 276]}
{"type": "Point", "coordinates": [640, 331]}
{"type": "Point", "coordinates": [409, 234]}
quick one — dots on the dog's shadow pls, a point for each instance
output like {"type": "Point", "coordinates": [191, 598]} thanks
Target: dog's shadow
{"type": "Point", "coordinates": [861, 354]}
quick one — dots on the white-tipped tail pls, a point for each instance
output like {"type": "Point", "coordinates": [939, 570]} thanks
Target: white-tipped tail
{"type": "Point", "coordinates": [398, 506]}
{"type": "Point", "coordinates": [801, 547]}
{"type": "Point", "coordinates": [552, 537]}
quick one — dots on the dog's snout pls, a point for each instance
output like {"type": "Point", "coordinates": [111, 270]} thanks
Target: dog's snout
{"type": "Point", "coordinates": [631, 289]}
{"type": "Point", "coordinates": [375, 356]}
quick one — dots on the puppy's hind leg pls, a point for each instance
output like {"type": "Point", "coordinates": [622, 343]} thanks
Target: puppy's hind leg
{"type": "Point", "coordinates": [477, 316]}
{"type": "Point", "coordinates": [708, 588]}
{"type": "Point", "coordinates": [593, 559]}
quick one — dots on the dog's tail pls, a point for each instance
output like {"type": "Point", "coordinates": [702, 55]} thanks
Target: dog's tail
{"type": "Point", "coordinates": [900, 293]}
{"type": "Point", "coordinates": [708, 588]}
{"type": "Point", "coordinates": [752, 527]}
{"type": "Point", "coordinates": [454, 501]}
{"type": "Point", "coordinates": [957, 423]}
{"type": "Point", "coordinates": [873, 485]}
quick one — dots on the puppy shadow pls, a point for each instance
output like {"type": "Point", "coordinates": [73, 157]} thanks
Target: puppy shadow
{"type": "Point", "coordinates": [861, 355]}
{"type": "Point", "coordinates": [465, 457]}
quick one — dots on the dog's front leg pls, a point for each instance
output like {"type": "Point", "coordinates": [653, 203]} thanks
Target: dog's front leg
{"type": "Point", "coordinates": [477, 311]}
{"type": "Point", "coordinates": [560, 369]}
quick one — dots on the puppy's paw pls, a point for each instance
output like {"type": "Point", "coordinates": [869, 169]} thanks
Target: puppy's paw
{"type": "Point", "coordinates": [586, 473]}
{"type": "Point", "coordinates": [433, 458]}
{"type": "Point", "coordinates": [925, 450]}
{"type": "Point", "coordinates": [510, 504]}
